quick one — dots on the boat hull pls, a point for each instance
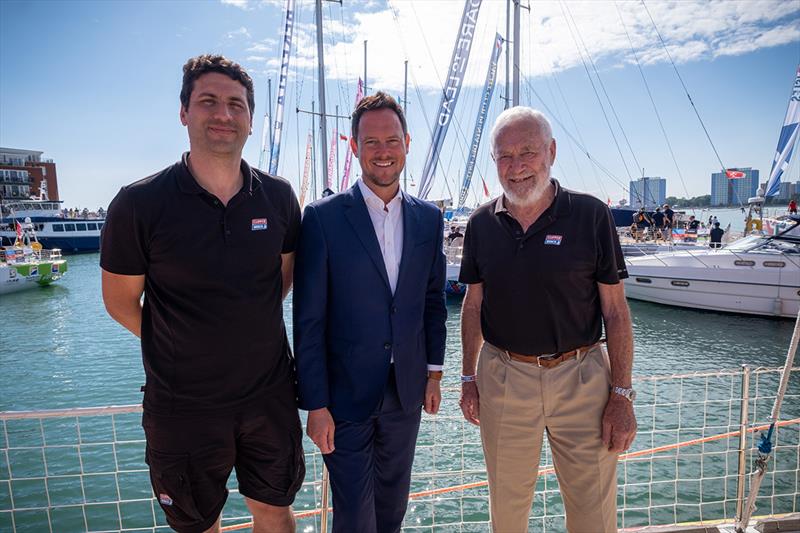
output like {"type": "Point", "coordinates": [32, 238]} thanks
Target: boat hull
{"type": "Point", "coordinates": [754, 284]}
{"type": "Point", "coordinates": [18, 277]}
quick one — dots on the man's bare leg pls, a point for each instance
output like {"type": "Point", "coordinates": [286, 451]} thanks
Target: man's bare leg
{"type": "Point", "coordinates": [270, 518]}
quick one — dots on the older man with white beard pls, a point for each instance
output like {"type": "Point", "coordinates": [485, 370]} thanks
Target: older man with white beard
{"type": "Point", "coordinates": [543, 268]}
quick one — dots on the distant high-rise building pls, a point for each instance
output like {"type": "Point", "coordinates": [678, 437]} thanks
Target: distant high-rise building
{"type": "Point", "coordinates": [735, 190]}
{"type": "Point", "coordinates": [786, 191]}
{"type": "Point", "coordinates": [648, 192]}
{"type": "Point", "coordinates": [23, 171]}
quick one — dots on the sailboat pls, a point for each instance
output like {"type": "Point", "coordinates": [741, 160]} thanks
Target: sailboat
{"type": "Point", "coordinates": [758, 275]}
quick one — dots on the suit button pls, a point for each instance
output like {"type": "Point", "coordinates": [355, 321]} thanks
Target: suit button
{"type": "Point", "coordinates": [394, 309]}
{"type": "Point", "coordinates": [387, 346]}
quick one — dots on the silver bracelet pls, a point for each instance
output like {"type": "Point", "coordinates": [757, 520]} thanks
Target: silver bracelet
{"type": "Point", "coordinates": [468, 379]}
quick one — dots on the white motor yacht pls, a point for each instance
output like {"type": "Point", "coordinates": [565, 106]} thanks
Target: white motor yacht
{"type": "Point", "coordinates": [758, 274]}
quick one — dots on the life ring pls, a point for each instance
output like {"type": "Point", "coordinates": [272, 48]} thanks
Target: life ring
{"type": "Point", "coordinates": [37, 246]}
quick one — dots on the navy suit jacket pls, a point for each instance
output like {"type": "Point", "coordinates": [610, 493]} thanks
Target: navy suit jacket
{"type": "Point", "coordinates": [347, 323]}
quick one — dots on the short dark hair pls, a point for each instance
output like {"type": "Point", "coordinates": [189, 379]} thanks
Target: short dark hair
{"type": "Point", "coordinates": [203, 64]}
{"type": "Point", "coordinates": [379, 100]}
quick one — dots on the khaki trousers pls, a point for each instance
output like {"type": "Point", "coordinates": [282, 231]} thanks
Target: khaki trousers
{"type": "Point", "coordinates": [518, 403]}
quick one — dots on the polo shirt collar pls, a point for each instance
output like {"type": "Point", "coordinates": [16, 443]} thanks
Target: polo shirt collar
{"type": "Point", "coordinates": [560, 206]}
{"type": "Point", "coordinates": [188, 184]}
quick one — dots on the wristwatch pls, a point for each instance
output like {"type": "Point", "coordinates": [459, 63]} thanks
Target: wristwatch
{"type": "Point", "coordinates": [628, 394]}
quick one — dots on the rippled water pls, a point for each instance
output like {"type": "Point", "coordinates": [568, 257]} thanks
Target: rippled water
{"type": "Point", "coordinates": [59, 349]}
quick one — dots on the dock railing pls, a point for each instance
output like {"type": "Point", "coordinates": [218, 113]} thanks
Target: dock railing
{"type": "Point", "coordinates": [83, 469]}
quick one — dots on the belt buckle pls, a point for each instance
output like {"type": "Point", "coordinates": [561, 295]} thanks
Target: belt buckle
{"type": "Point", "coordinates": [546, 357]}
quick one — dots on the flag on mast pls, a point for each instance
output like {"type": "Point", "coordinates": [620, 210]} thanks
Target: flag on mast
{"type": "Point", "coordinates": [331, 160]}
{"type": "Point", "coordinates": [786, 141]}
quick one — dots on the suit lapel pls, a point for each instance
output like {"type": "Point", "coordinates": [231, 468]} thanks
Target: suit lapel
{"type": "Point", "coordinates": [358, 216]}
{"type": "Point", "coordinates": [410, 232]}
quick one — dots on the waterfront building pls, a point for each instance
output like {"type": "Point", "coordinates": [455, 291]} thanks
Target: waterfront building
{"type": "Point", "coordinates": [734, 190]}
{"type": "Point", "coordinates": [648, 192]}
{"type": "Point", "coordinates": [786, 191]}
{"type": "Point", "coordinates": [22, 172]}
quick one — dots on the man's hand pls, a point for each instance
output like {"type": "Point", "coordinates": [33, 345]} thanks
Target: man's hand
{"type": "Point", "coordinates": [619, 424]}
{"type": "Point", "coordinates": [433, 396]}
{"type": "Point", "coordinates": [320, 429]}
{"type": "Point", "coordinates": [469, 402]}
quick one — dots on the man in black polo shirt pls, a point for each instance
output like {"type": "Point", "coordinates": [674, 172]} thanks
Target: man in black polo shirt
{"type": "Point", "coordinates": [210, 243]}
{"type": "Point", "coordinates": [542, 266]}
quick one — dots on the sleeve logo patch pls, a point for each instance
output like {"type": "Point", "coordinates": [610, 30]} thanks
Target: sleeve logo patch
{"type": "Point", "coordinates": [165, 499]}
{"type": "Point", "coordinates": [258, 224]}
{"type": "Point", "coordinates": [553, 240]}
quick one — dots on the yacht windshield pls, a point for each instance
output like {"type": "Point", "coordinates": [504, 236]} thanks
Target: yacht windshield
{"type": "Point", "coordinates": [746, 244]}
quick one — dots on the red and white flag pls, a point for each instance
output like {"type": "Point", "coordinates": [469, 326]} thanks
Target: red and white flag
{"type": "Point", "coordinates": [19, 229]}
{"type": "Point", "coordinates": [733, 174]}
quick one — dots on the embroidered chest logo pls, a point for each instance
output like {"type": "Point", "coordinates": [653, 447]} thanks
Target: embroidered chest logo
{"type": "Point", "coordinates": [553, 240]}
{"type": "Point", "coordinates": [258, 224]}
{"type": "Point", "coordinates": [164, 499]}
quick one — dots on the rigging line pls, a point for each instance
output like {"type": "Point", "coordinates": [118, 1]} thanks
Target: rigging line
{"type": "Point", "coordinates": [578, 144]}
{"type": "Point", "coordinates": [571, 148]}
{"type": "Point", "coordinates": [454, 117]}
{"type": "Point", "coordinates": [596, 94]}
{"type": "Point", "coordinates": [348, 78]}
{"type": "Point", "coordinates": [696, 112]}
{"type": "Point", "coordinates": [603, 87]}
{"type": "Point", "coordinates": [652, 101]}
{"type": "Point", "coordinates": [417, 91]}
{"type": "Point", "coordinates": [578, 133]}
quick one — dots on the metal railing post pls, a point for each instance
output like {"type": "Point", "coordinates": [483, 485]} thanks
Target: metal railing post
{"type": "Point", "coordinates": [324, 516]}
{"type": "Point", "coordinates": [744, 417]}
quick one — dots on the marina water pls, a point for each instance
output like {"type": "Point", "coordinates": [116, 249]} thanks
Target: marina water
{"type": "Point", "coordinates": [59, 349]}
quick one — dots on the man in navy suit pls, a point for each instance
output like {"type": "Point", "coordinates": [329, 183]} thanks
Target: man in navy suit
{"type": "Point", "coordinates": [369, 324]}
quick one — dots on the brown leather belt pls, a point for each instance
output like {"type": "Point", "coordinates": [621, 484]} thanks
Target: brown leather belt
{"type": "Point", "coordinates": [549, 360]}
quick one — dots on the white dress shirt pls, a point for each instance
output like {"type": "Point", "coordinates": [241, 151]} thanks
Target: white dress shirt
{"type": "Point", "coordinates": [387, 221]}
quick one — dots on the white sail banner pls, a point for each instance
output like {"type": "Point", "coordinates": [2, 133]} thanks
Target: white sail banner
{"type": "Point", "coordinates": [453, 82]}
{"type": "Point", "coordinates": [331, 160]}
{"type": "Point", "coordinates": [278, 126]}
{"type": "Point", "coordinates": [486, 99]}
{"type": "Point", "coordinates": [786, 141]}
{"type": "Point", "coordinates": [348, 159]}
{"type": "Point", "coordinates": [306, 170]}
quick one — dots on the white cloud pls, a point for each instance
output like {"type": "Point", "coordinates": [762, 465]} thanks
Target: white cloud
{"type": "Point", "coordinates": [552, 33]}
{"type": "Point", "coordinates": [241, 4]}
{"type": "Point", "coordinates": [241, 32]}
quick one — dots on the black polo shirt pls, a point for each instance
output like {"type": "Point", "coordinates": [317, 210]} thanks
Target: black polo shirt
{"type": "Point", "coordinates": [540, 287]}
{"type": "Point", "coordinates": [212, 322]}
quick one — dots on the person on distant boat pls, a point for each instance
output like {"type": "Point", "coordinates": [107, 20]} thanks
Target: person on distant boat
{"type": "Point", "coordinates": [669, 221]}
{"type": "Point", "coordinates": [454, 234]}
{"type": "Point", "coordinates": [641, 221]}
{"type": "Point", "coordinates": [543, 268]}
{"type": "Point", "coordinates": [210, 243]}
{"type": "Point", "coordinates": [369, 324]}
{"type": "Point", "coordinates": [691, 229]}
{"type": "Point", "coordinates": [792, 207]}
{"type": "Point", "coordinates": [715, 235]}
{"type": "Point", "coordinates": [658, 224]}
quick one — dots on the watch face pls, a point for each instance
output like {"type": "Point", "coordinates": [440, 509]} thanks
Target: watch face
{"type": "Point", "coordinates": [632, 395]}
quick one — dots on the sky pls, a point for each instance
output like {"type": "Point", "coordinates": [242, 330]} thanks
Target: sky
{"type": "Point", "coordinates": [631, 87]}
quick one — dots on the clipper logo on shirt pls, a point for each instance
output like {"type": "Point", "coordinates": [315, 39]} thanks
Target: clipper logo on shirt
{"type": "Point", "coordinates": [553, 240]}
{"type": "Point", "coordinates": [258, 224]}
{"type": "Point", "coordinates": [165, 499]}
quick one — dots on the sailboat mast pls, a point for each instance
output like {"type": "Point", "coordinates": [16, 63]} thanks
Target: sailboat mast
{"type": "Point", "coordinates": [507, 96]}
{"type": "Point", "coordinates": [516, 53]}
{"type": "Point", "coordinates": [365, 66]}
{"type": "Point", "coordinates": [323, 124]}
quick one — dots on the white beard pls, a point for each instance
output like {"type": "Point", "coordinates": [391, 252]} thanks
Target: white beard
{"type": "Point", "coordinates": [529, 198]}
